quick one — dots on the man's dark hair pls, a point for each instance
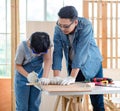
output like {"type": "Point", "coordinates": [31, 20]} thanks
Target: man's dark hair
{"type": "Point", "coordinates": [69, 12]}
{"type": "Point", "coordinates": [40, 42]}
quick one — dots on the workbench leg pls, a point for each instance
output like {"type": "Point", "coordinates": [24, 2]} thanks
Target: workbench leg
{"type": "Point", "coordinates": [68, 106]}
{"type": "Point", "coordinates": [86, 103]}
{"type": "Point", "coordinates": [64, 103]}
{"type": "Point", "coordinates": [74, 103]}
{"type": "Point", "coordinates": [57, 103]}
{"type": "Point", "coordinates": [72, 107]}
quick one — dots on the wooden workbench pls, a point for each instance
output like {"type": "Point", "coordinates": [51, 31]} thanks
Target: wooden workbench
{"type": "Point", "coordinates": [72, 96]}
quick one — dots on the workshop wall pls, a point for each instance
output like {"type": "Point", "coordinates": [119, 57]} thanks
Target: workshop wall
{"type": "Point", "coordinates": [5, 94]}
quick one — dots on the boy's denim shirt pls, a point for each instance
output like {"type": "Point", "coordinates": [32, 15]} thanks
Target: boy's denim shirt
{"type": "Point", "coordinates": [87, 56]}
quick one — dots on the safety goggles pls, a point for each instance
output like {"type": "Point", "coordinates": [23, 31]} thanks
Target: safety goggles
{"type": "Point", "coordinates": [38, 53]}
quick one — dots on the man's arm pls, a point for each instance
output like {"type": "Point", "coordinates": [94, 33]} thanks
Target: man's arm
{"type": "Point", "coordinates": [74, 72]}
{"type": "Point", "coordinates": [56, 73]}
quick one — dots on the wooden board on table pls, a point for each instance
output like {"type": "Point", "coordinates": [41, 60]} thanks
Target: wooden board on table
{"type": "Point", "coordinates": [80, 87]}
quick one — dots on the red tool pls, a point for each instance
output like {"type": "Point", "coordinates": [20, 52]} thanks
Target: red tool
{"type": "Point", "coordinates": [102, 79]}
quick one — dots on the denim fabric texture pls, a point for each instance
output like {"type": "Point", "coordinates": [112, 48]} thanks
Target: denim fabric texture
{"type": "Point", "coordinates": [87, 56]}
{"type": "Point", "coordinates": [28, 98]}
{"type": "Point", "coordinates": [96, 100]}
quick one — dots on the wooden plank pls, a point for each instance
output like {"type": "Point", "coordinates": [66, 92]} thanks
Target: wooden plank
{"type": "Point", "coordinates": [98, 23]}
{"type": "Point", "coordinates": [73, 87]}
{"type": "Point", "coordinates": [116, 40]}
{"type": "Point", "coordinates": [57, 103]}
{"type": "Point", "coordinates": [111, 35]}
{"type": "Point", "coordinates": [104, 33]}
{"type": "Point", "coordinates": [64, 103]}
{"type": "Point", "coordinates": [108, 1]}
{"type": "Point", "coordinates": [15, 31]}
{"type": "Point", "coordinates": [93, 13]}
{"type": "Point", "coordinates": [85, 9]}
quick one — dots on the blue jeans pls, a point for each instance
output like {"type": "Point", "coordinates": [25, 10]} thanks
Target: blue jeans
{"type": "Point", "coordinates": [96, 100]}
{"type": "Point", "coordinates": [28, 98]}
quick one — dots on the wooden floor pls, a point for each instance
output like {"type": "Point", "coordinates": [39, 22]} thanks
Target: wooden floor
{"type": "Point", "coordinates": [5, 94]}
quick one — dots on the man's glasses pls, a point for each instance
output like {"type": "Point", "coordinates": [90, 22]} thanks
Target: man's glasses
{"type": "Point", "coordinates": [64, 26]}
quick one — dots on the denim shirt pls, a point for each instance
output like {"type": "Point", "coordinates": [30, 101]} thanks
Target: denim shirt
{"type": "Point", "coordinates": [87, 56]}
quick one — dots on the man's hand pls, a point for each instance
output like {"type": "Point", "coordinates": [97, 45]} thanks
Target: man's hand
{"type": "Point", "coordinates": [32, 77]}
{"type": "Point", "coordinates": [44, 81]}
{"type": "Point", "coordinates": [68, 80]}
{"type": "Point", "coordinates": [56, 80]}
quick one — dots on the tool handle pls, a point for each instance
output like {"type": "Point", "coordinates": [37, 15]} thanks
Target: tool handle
{"type": "Point", "coordinates": [31, 84]}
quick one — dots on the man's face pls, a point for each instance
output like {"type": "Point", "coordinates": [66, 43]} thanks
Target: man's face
{"type": "Point", "coordinates": [67, 25]}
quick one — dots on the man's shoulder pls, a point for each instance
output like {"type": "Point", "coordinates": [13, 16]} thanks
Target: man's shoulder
{"type": "Point", "coordinates": [83, 20]}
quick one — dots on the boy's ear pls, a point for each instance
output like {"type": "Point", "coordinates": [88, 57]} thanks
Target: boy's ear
{"type": "Point", "coordinates": [28, 42]}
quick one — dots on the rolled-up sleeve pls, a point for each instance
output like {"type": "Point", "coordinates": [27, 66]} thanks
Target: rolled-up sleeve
{"type": "Point", "coordinates": [20, 55]}
{"type": "Point", "coordinates": [57, 52]}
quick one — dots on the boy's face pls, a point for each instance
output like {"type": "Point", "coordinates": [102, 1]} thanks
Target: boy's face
{"type": "Point", "coordinates": [34, 51]}
{"type": "Point", "coordinates": [66, 25]}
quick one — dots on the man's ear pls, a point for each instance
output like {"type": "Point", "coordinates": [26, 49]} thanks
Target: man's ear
{"type": "Point", "coordinates": [76, 22]}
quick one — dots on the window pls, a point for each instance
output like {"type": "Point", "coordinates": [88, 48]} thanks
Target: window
{"type": "Point", "coordinates": [43, 10]}
{"type": "Point", "coordinates": [30, 10]}
{"type": "Point", "coordinates": [5, 40]}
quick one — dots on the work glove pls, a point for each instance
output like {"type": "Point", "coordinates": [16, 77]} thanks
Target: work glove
{"type": "Point", "coordinates": [68, 80]}
{"type": "Point", "coordinates": [44, 81]}
{"type": "Point", "coordinates": [32, 77]}
{"type": "Point", "coordinates": [56, 80]}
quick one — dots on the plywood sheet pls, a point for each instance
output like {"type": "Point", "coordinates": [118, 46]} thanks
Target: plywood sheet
{"type": "Point", "coordinates": [42, 26]}
{"type": "Point", "coordinates": [80, 87]}
{"type": "Point", "coordinates": [71, 88]}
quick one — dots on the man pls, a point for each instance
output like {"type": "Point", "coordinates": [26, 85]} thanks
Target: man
{"type": "Point", "coordinates": [74, 36]}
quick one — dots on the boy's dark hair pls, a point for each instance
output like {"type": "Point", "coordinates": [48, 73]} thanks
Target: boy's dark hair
{"type": "Point", "coordinates": [69, 12]}
{"type": "Point", "coordinates": [39, 42]}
